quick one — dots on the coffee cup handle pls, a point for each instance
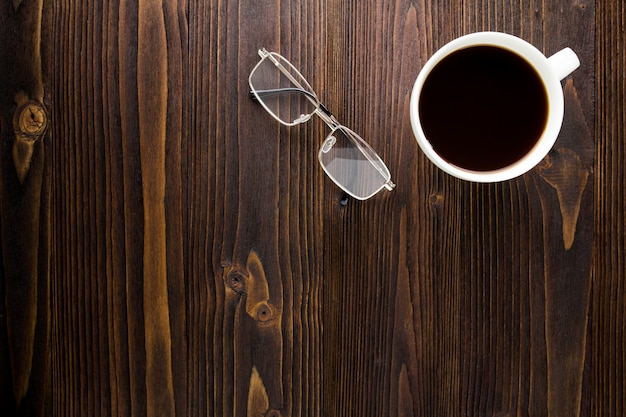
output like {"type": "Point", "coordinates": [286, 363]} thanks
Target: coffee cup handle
{"type": "Point", "coordinates": [564, 62]}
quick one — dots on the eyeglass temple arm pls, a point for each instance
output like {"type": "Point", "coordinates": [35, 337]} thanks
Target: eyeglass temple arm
{"type": "Point", "coordinates": [256, 94]}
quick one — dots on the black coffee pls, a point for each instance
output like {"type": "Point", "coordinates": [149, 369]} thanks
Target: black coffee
{"type": "Point", "coordinates": [483, 108]}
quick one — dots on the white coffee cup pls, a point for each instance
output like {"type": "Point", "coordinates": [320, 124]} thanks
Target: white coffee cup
{"type": "Point", "coordinates": [550, 70]}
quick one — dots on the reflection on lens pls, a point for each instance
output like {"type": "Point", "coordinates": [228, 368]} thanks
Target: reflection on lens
{"type": "Point", "coordinates": [353, 165]}
{"type": "Point", "coordinates": [282, 90]}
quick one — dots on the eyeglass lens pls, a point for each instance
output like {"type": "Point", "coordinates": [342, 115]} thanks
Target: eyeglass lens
{"type": "Point", "coordinates": [282, 90]}
{"type": "Point", "coordinates": [352, 164]}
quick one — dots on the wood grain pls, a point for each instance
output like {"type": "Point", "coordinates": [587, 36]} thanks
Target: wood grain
{"type": "Point", "coordinates": [168, 248]}
{"type": "Point", "coordinates": [608, 315]}
{"type": "Point", "coordinates": [490, 277]}
{"type": "Point", "coordinates": [25, 213]}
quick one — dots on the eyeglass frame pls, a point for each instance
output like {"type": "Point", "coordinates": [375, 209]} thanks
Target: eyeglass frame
{"type": "Point", "coordinates": [322, 111]}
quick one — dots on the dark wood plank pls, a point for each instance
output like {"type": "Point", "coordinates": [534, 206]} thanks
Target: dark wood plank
{"type": "Point", "coordinates": [608, 315]}
{"type": "Point", "coordinates": [25, 227]}
{"type": "Point", "coordinates": [500, 289]}
{"type": "Point", "coordinates": [171, 161]}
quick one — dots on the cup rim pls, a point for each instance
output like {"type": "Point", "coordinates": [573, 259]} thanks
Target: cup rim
{"type": "Point", "coordinates": [551, 82]}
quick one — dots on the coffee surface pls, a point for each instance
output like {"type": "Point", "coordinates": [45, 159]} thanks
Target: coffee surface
{"type": "Point", "coordinates": [483, 108]}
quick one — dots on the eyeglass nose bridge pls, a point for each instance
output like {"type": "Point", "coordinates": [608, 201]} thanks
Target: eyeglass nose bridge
{"type": "Point", "coordinates": [324, 114]}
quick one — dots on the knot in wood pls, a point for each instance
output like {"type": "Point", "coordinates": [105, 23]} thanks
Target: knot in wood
{"type": "Point", "coordinates": [264, 313]}
{"type": "Point", "coordinates": [236, 282]}
{"type": "Point", "coordinates": [273, 413]}
{"type": "Point", "coordinates": [436, 199]}
{"type": "Point", "coordinates": [31, 120]}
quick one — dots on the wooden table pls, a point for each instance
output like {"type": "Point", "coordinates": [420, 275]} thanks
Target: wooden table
{"type": "Point", "coordinates": [170, 249]}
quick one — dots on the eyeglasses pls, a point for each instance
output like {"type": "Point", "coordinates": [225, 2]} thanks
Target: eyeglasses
{"type": "Point", "coordinates": [345, 157]}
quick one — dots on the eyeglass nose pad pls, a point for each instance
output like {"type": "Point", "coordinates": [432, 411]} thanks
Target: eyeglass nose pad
{"type": "Point", "coordinates": [303, 118]}
{"type": "Point", "coordinates": [328, 144]}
